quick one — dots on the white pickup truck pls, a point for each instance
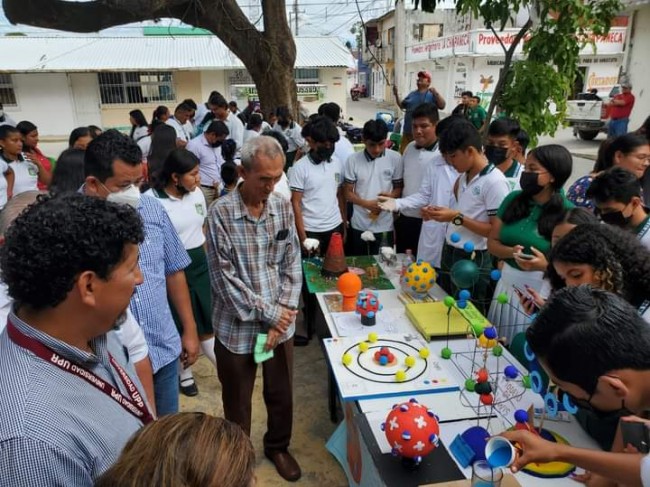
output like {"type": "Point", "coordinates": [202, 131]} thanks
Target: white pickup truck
{"type": "Point", "coordinates": [588, 114]}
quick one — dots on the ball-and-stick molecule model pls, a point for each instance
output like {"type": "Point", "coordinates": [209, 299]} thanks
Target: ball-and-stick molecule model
{"type": "Point", "coordinates": [368, 306]}
{"type": "Point", "coordinates": [419, 277]}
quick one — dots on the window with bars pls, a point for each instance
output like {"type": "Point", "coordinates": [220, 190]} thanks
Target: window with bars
{"type": "Point", "coordinates": [7, 93]}
{"type": "Point", "coordinates": [136, 87]}
{"type": "Point", "coordinates": [306, 76]}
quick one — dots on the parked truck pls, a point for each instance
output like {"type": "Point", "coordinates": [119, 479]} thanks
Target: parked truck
{"type": "Point", "coordinates": [588, 114]}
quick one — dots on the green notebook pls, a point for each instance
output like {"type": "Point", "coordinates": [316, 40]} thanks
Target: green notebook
{"type": "Point", "coordinates": [435, 320]}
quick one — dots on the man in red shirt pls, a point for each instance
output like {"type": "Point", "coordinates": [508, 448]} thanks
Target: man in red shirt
{"type": "Point", "coordinates": [619, 111]}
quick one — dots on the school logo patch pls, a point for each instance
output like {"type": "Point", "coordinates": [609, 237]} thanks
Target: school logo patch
{"type": "Point", "coordinates": [199, 209]}
{"type": "Point", "coordinates": [32, 171]}
{"type": "Point", "coordinates": [337, 177]}
{"type": "Point", "coordinates": [476, 190]}
{"type": "Point", "coordinates": [388, 173]}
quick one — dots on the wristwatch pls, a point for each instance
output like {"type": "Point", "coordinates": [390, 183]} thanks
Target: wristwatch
{"type": "Point", "coordinates": [458, 220]}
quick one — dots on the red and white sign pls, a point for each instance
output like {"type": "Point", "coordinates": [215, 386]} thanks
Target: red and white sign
{"type": "Point", "coordinates": [440, 47]}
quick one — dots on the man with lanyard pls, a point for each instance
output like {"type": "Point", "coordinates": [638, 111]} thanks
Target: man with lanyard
{"type": "Point", "coordinates": [368, 174]}
{"type": "Point", "coordinates": [113, 169]}
{"type": "Point", "coordinates": [478, 193]}
{"type": "Point", "coordinates": [501, 149]}
{"type": "Point", "coordinates": [425, 93]}
{"type": "Point", "coordinates": [617, 196]}
{"type": "Point", "coordinates": [620, 109]}
{"type": "Point", "coordinates": [179, 123]}
{"type": "Point", "coordinates": [436, 187]}
{"type": "Point", "coordinates": [70, 396]}
{"type": "Point", "coordinates": [207, 147]}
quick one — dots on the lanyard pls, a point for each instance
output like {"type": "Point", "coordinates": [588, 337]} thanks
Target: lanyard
{"type": "Point", "coordinates": [134, 405]}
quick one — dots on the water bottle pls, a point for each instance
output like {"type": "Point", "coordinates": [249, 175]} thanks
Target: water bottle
{"type": "Point", "coordinates": [406, 262]}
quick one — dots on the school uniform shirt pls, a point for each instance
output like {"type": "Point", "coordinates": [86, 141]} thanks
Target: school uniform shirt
{"type": "Point", "coordinates": [643, 232]}
{"type": "Point", "coordinates": [371, 177]}
{"type": "Point", "coordinates": [140, 133]}
{"type": "Point", "coordinates": [187, 214]}
{"type": "Point", "coordinates": [282, 187]}
{"type": "Point", "coordinates": [415, 161]}
{"type": "Point", "coordinates": [181, 131]}
{"type": "Point", "coordinates": [236, 129]}
{"type": "Point", "coordinates": [4, 186]}
{"type": "Point", "coordinates": [250, 134]}
{"type": "Point", "coordinates": [26, 176]}
{"type": "Point", "coordinates": [343, 148]}
{"type": "Point", "coordinates": [145, 146]}
{"type": "Point", "coordinates": [436, 190]}
{"type": "Point", "coordinates": [293, 135]}
{"type": "Point", "coordinates": [319, 184]}
{"type": "Point", "coordinates": [478, 199]}
{"type": "Point", "coordinates": [513, 175]}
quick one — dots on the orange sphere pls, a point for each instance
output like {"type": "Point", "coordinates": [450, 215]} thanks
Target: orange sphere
{"type": "Point", "coordinates": [349, 284]}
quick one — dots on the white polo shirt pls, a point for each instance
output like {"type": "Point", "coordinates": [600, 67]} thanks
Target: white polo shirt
{"type": "Point", "coordinates": [4, 167]}
{"type": "Point", "coordinates": [26, 176]}
{"type": "Point", "coordinates": [181, 130]}
{"type": "Point", "coordinates": [371, 177]}
{"type": "Point", "coordinates": [343, 148]}
{"type": "Point", "coordinates": [436, 190]}
{"type": "Point", "coordinates": [293, 134]}
{"type": "Point", "coordinates": [643, 233]}
{"type": "Point", "coordinates": [415, 162]}
{"type": "Point", "coordinates": [187, 214]}
{"type": "Point", "coordinates": [250, 134]}
{"type": "Point", "coordinates": [478, 199]}
{"type": "Point", "coordinates": [236, 129]}
{"type": "Point", "coordinates": [319, 184]}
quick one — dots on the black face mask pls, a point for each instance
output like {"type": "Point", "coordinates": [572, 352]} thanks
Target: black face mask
{"type": "Point", "coordinates": [322, 154]}
{"type": "Point", "coordinates": [217, 144]}
{"type": "Point", "coordinates": [529, 184]}
{"type": "Point", "coordinates": [615, 218]}
{"type": "Point", "coordinates": [496, 155]}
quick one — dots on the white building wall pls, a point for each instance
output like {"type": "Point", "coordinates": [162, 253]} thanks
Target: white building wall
{"type": "Point", "coordinates": [638, 68]}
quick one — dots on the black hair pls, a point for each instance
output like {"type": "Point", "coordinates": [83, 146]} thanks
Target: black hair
{"type": "Point", "coordinates": [622, 261]}
{"type": "Point", "coordinates": [95, 131]}
{"type": "Point", "coordinates": [467, 93]}
{"type": "Point", "coordinates": [179, 161]}
{"type": "Point", "coordinates": [504, 127]}
{"type": "Point", "coordinates": [321, 129]}
{"type": "Point", "coordinates": [26, 127]}
{"type": "Point", "coordinates": [228, 150]}
{"type": "Point", "coordinates": [229, 174]}
{"type": "Point", "coordinates": [446, 122]}
{"type": "Point", "coordinates": [56, 239]}
{"type": "Point", "coordinates": [183, 107]}
{"type": "Point", "coordinates": [6, 130]}
{"type": "Point", "coordinates": [103, 151]}
{"type": "Point", "coordinates": [232, 103]}
{"type": "Point", "coordinates": [375, 131]}
{"type": "Point", "coordinates": [163, 141]}
{"type": "Point", "coordinates": [557, 160]}
{"type": "Point", "coordinates": [140, 120]}
{"type": "Point", "coordinates": [217, 127]}
{"type": "Point", "coordinates": [624, 143]}
{"type": "Point", "coordinates": [524, 139]}
{"type": "Point", "coordinates": [158, 112]}
{"type": "Point", "coordinates": [76, 134]}
{"type": "Point", "coordinates": [644, 130]}
{"type": "Point", "coordinates": [477, 98]}
{"type": "Point", "coordinates": [615, 184]}
{"type": "Point", "coordinates": [330, 110]}
{"type": "Point", "coordinates": [460, 135]}
{"type": "Point", "coordinates": [255, 120]}
{"type": "Point", "coordinates": [426, 110]}
{"type": "Point", "coordinates": [584, 333]}
{"type": "Point", "coordinates": [282, 140]}
{"type": "Point", "coordinates": [190, 103]}
{"type": "Point", "coordinates": [218, 101]}
{"type": "Point", "coordinates": [578, 216]}
{"type": "Point", "coordinates": [285, 119]}
{"type": "Point", "coordinates": [68, 174]}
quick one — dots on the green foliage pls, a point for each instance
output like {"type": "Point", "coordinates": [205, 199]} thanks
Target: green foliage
{"type": "Point", "coordinates": [544, 76]}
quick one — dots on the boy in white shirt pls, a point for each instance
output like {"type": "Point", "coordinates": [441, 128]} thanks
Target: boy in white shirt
{"type": "Point", "coordinates": [178, 121]}
{"type": "Point", "coordinates": [368, 174]}
{"type": "Point", "coordinates": [477, 195]}
{"type": "Point", "coordinates": [502, 149]}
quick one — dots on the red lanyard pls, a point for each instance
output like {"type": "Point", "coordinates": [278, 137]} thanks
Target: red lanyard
{"type": "Point", "coordinates": [134, 405]}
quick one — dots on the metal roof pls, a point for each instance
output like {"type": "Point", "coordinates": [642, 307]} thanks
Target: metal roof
{"type": "Point", "coordinates": [142, 53]}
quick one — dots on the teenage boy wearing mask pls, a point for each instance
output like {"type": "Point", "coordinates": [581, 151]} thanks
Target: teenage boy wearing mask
{"type": "Point", "coordinates": [501, 149]}
{"type": "Point", "coordinates": [617, 195]}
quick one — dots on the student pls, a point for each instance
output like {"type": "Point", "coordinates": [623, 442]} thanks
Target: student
{"type": "Point", "coordinates": [523, 228]}
{"type": "Point", "coordinates": [4, 118]}
{"type": "Point", "coordinates": [253, 127]}
{"type": "Point", "coordinates": [229, 177]}
{"type": "Point", "coordinates": [178, 123]}
{"type": "Point", "coordinates": [462, 109]}
{"type": "Point", "coordinates": [617, 195]}
{"type": "Point", "coordinates": [343, 148]}
{"type": "Point", "coordinates": [26, 173]}
{"type": "Point", "coordinates": [501, 149]}
{"type": "Point", "coordinates": [594, 346]}
{"type": "Point", "coordinates": [219, 107]}
{"type": "Point", "coordinates": [163, 141]}
{"type": "Point", "coordinates": [29, 134]}
{"type": "Point", "coordinates": [292, 132]}
{"type": "Point", "coordinates": [192, 449]}
{"type": "Point", "coordinates": [316, 182]}
{"type": "Point", "coordinates": [79, 138]}
{"type": "Point", "coordinates": [435, 187]}
{"type": "Point", "coordinates": [177, 188]}
{"type": "Point", "coordinates": [368, 174]}
{"type": "Point", "coordinates": [477, 113]}
{"type": "Point", "coordinates": [68, 174]}
{"type": "Point", "coordinates": [208, 148]}
{"type": "Point", "coordinates": [139, 125]}
{"type": "Point", "coordinates": [478, 193]}
{"type": "Point", "coordinates": [160, 115]}
{"type": "Point", "coordinates": [523, 140]}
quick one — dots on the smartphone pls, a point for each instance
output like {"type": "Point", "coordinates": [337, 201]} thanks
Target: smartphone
{"type": "Point", "coordinates": [521, 293]}
{"type": "Point", "coordinates": [524, 256]}
{"type": "Point", "coordinates": [637, 435]}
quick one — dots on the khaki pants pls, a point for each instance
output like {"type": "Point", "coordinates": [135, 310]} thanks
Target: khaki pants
{"type": "Point", "coordinates": [211, 193]}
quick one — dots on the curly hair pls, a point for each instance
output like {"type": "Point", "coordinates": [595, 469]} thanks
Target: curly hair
{"type": "Point", "coordinates": [617, 255]}
{"type": "Point", "coordinates": [58, 238]}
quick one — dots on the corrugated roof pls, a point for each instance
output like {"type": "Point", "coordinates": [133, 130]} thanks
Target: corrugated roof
{"type": "Point", "coordinates": [51, 54]}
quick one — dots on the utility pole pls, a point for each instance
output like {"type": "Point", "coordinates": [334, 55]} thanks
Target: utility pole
{"type": "Point", "coordinates": [295, 17]}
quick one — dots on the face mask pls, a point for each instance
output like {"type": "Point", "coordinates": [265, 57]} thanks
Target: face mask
{"type": "Point", "coordinates": [324, 153]}
{"type": "Point", "coordinates": [495, 155]}
{"type": "Point", "coordinates": [129, 196]}
{"type": "Point", "coordinates": [615, 218]}
{"type": "Point", "coordinates": [529, 184]}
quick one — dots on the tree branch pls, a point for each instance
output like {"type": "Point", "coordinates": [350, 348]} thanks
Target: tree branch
{"type": "Point", "coordinates": [503, 46]}
{"type": "Point", "coordinates": [89, 16]}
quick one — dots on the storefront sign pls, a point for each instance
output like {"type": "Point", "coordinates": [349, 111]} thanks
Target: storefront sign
{"type": "Point", "coordinates": [249, 92]}
{"type": "Point", "coordinates": [440, 47]}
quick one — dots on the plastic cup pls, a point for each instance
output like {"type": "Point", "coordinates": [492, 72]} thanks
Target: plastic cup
{"type": "Point", "coordinates": [499, 452]}
{"type": "Point", "coordinates": [485, 476]}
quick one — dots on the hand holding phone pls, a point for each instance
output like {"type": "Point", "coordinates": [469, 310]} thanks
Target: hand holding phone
{"type": "Point", "coordinates": [521, 255]}
{"type": "Point", "coordinates": [636, 434]}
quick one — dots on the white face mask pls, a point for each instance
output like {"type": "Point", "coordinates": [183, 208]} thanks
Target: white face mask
{"type": "Point", "coordinates": [129, 196]}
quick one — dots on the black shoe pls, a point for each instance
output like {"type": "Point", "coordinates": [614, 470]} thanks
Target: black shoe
{"type": "Point", "coordinates": [189, 388]}
{"type": "Point", "coordinates": [300, 341]}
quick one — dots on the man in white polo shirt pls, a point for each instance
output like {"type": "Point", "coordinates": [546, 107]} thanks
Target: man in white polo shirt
{"type": "Point", "coordinates": [207, 147]}
{"type": "Point", "coordinates": [178, 121]}
{"type": "Point", "coordinates": [368, 174]}
{"type": "Point", "coordinates": [436, 186]}
{"type": "Point", "coordinates": [316, 185]}
{"type": "Point", "coordinates": [219, 107]}
{"type": "Point", "coordinates": [477, 195]}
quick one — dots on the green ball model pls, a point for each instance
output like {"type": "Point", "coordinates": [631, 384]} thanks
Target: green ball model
{"type": "Point", "coordinates": [449, 301]}
{"type": "Point", "coordinates": [502, 298]}
{"type": "Point", "coordinates": [446, 353]}
{"type": "Point", "coordinates": [497, 350]}
{"type": "Point", "coordinates": [526, 381]}
{"type": "Point", "coordinates": [464, 273]}
{"type": "Point", "coordinates": [470, 385]}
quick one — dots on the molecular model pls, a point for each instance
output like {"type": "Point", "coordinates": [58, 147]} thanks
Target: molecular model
{"type": "Point", "coordinates": [367, 307]}
{"type": "Point", "coordinates": [419, 277]}
{"type": "Point", "coordinates": [412, 431]}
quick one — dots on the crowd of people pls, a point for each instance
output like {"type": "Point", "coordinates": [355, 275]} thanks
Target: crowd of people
{"type": "Point", "coordinates": [132, 254]}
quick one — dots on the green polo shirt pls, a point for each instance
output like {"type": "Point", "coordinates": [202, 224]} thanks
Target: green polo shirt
{"type": "Point", "coordinates": [477, 116]}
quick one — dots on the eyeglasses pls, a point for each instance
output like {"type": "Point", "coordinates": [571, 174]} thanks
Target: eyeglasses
{"type": "Point", "coordinates": [642, 157]}
{"type": "Point", "coordinates": [581, 403]}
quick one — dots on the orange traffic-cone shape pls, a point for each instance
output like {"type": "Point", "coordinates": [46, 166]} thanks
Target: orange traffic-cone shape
{"type": "Point", "coordinates": [334, 264]}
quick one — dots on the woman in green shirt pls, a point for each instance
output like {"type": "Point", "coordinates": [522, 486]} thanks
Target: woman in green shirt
{"type": "Point", "coordinates": [521, 235]}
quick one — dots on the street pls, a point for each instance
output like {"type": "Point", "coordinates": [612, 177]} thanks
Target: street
{"type": "Point", "coordinates": [583, 151]}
